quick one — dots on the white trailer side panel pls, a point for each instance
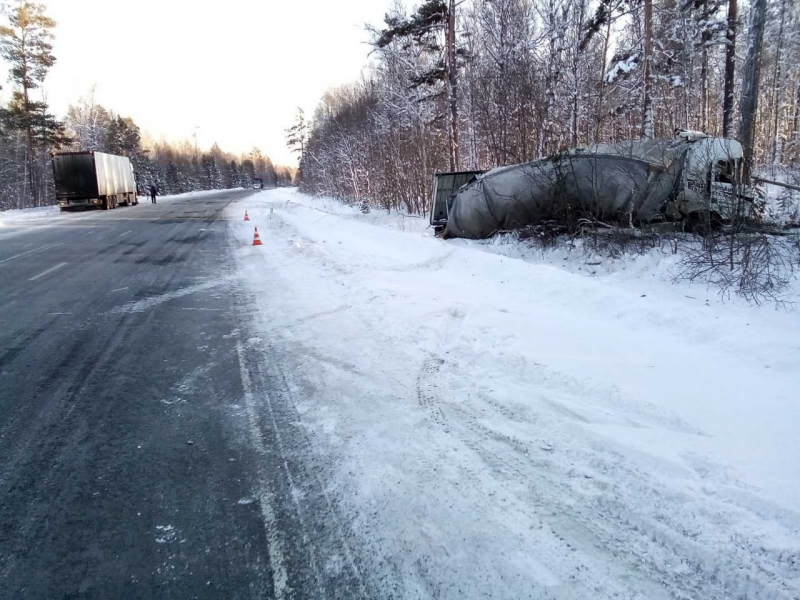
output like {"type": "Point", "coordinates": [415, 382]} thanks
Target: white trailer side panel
{"type": "Point", "coordinates": [114, 174]}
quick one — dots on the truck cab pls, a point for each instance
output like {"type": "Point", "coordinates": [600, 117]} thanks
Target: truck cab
{"type": "Point", "coordinates": [444, 186]}
{"type": "Point", "coordinates": [711, 181]}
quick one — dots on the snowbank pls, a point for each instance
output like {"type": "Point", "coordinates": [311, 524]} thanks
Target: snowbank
{"type": "Point", "coordinates": [18, 216]}
{"type": "Point", "coordinates": [503, 428]}
{"type": "Point", "coordinates": [8, 217]}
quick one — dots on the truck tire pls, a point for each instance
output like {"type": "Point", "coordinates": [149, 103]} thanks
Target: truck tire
{"type": "Point", "coordinates": [106, 203]}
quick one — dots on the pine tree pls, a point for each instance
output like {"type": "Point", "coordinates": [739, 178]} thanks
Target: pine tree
{"type": "Point", "coordinates": [432, 20]}
{"type": "Point", "coordinates": [297, 134]}
{"type": "Point", "coordinates": [248, 172]}
{"type": "Point", "coordinates": [234, 177]}
{"type": "Point", "coordinates": [26, 45]}
{"type": "Point", "coordinates": [124, 137]}
{"type": "Point", "coordinates": [172, 179]}
{"type": "Point", "coordinates": [270, 174]}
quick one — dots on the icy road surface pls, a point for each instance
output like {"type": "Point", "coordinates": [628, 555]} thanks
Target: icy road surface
{"type": "Point", "coordinates": [485, 427]}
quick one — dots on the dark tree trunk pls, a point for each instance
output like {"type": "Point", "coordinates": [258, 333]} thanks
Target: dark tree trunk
{"type": "Point", "coordinates": [452, 80]}
{"type": "Point", "coordinates": [601, 93]}
{"type": "Point", "coordinates": [751, 75]}
{"type": "Point", "coordinates": [29, 147]}
{"type": "Point", "coordinates": [730, 71]}
{"type": "Point", "coordinates": [796, 120]}
{"type": "Point", "coordinates": [777, 92]}
{"type": "Point", "coordinates": [704, 87]}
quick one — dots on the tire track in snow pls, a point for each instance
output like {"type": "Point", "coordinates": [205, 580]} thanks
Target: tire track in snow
{"type": "Point", "coordinates": [426, 389]}
{"type": "Point", "coordinates": [614, 515]}
{"type": "Point", "coordinates": [275, 550]}
{"type": "Point", "coordinates": [657, 546]}
{"type": "Point", "coordinates": [284, 390]}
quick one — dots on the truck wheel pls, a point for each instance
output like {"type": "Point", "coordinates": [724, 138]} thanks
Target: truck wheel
{"type": "Point", "coordinates": [107, 203]}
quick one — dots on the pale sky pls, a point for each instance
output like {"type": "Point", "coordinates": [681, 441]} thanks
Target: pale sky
{"type": "Point", "coordinates": [237, 68]}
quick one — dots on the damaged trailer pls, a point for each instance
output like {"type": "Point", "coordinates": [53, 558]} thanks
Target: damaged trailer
{"type": "Point", "coordinates": [685, 180]}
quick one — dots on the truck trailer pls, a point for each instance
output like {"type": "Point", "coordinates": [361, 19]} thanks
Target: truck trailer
{"type": "Point", "coordinates": [685, 181]}
{"type": "Point", "coordinates": [93, 179]}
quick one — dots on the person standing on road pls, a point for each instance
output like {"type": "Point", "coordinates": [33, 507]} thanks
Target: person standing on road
{"type": "Point", "coordinates": [153, 193]}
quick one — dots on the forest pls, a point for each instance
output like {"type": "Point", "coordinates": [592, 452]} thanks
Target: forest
{"type": "Point", "coordinates": [29, 132]}
{"type": "Point", "coordinates": [485, 83]}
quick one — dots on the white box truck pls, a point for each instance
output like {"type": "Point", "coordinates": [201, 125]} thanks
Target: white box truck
{"type": "Point", "coordinates": [93, 179]}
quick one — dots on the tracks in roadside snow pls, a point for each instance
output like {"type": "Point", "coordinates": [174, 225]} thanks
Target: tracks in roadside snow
{"type": "Point", "coordinates": [619, 515]}
{"type": "Point", "coordinates": [310, 541]}
{"type": "Point", "coordinates": [427, 389]}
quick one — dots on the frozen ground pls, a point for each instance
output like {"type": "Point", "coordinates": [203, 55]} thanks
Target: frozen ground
{"type": "Point", "coordinates": [505, 428]}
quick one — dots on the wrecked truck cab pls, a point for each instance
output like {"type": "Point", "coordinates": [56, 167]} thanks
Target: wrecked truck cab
{"type": "Point", "coordinates": [711, 182]}
{"type": "Point", "coordinates": [710, 174]}
{"type": "Point", "coordinates": [445, 185]}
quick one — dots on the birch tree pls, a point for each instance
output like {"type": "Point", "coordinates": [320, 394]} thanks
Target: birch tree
{"type": "Point", "coordinates": [647, 62]}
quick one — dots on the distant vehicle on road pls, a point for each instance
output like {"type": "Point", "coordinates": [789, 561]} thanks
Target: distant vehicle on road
{"type": "Point", "coordinates": [93, 179]}
{"type": "Point", "coordinates": [258, 184]}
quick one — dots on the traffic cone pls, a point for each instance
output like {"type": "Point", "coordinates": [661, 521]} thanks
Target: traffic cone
{"type": "Point", "coordinates": [246, 218]}
{"type": "Point", "coordinates": [256, 239]}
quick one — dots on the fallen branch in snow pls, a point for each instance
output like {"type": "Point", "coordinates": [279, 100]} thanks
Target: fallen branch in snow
{"type": "Point", "coordinates": [756, 266]}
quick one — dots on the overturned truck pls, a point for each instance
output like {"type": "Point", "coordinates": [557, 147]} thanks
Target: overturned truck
{"type": "Point", "coordinates": [689, 180]}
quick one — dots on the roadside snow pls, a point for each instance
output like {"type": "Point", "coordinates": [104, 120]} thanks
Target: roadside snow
{"type": "Point", "coordinates": [17, 216]}
{"type": "Point", "coordinates": [8, 217]}
{"type": "Point", "coordinates": [501, 428]}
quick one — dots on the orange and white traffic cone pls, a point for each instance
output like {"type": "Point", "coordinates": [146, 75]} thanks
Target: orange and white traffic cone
{"type": "Point", "coordinates": [256, 239]}
{"type": "Point", "coordinates": [246, 218]}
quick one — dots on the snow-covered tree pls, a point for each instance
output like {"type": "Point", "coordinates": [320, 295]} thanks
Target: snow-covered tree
{"type": "Point", "coordinates": [88, 123]}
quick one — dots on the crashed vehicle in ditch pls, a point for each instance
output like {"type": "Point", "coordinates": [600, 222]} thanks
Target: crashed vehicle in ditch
{"type": "Point", "coordinates": [689, 180]}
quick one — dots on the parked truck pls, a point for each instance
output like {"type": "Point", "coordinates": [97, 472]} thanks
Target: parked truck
{"type": "Point", "coordinates": [688, 180]}
{"type": "Point", "coordinates": [93, 179]}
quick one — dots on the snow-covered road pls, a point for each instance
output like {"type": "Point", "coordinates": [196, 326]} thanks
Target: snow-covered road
{"type": "Point", "coordinates": [496, 428]}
